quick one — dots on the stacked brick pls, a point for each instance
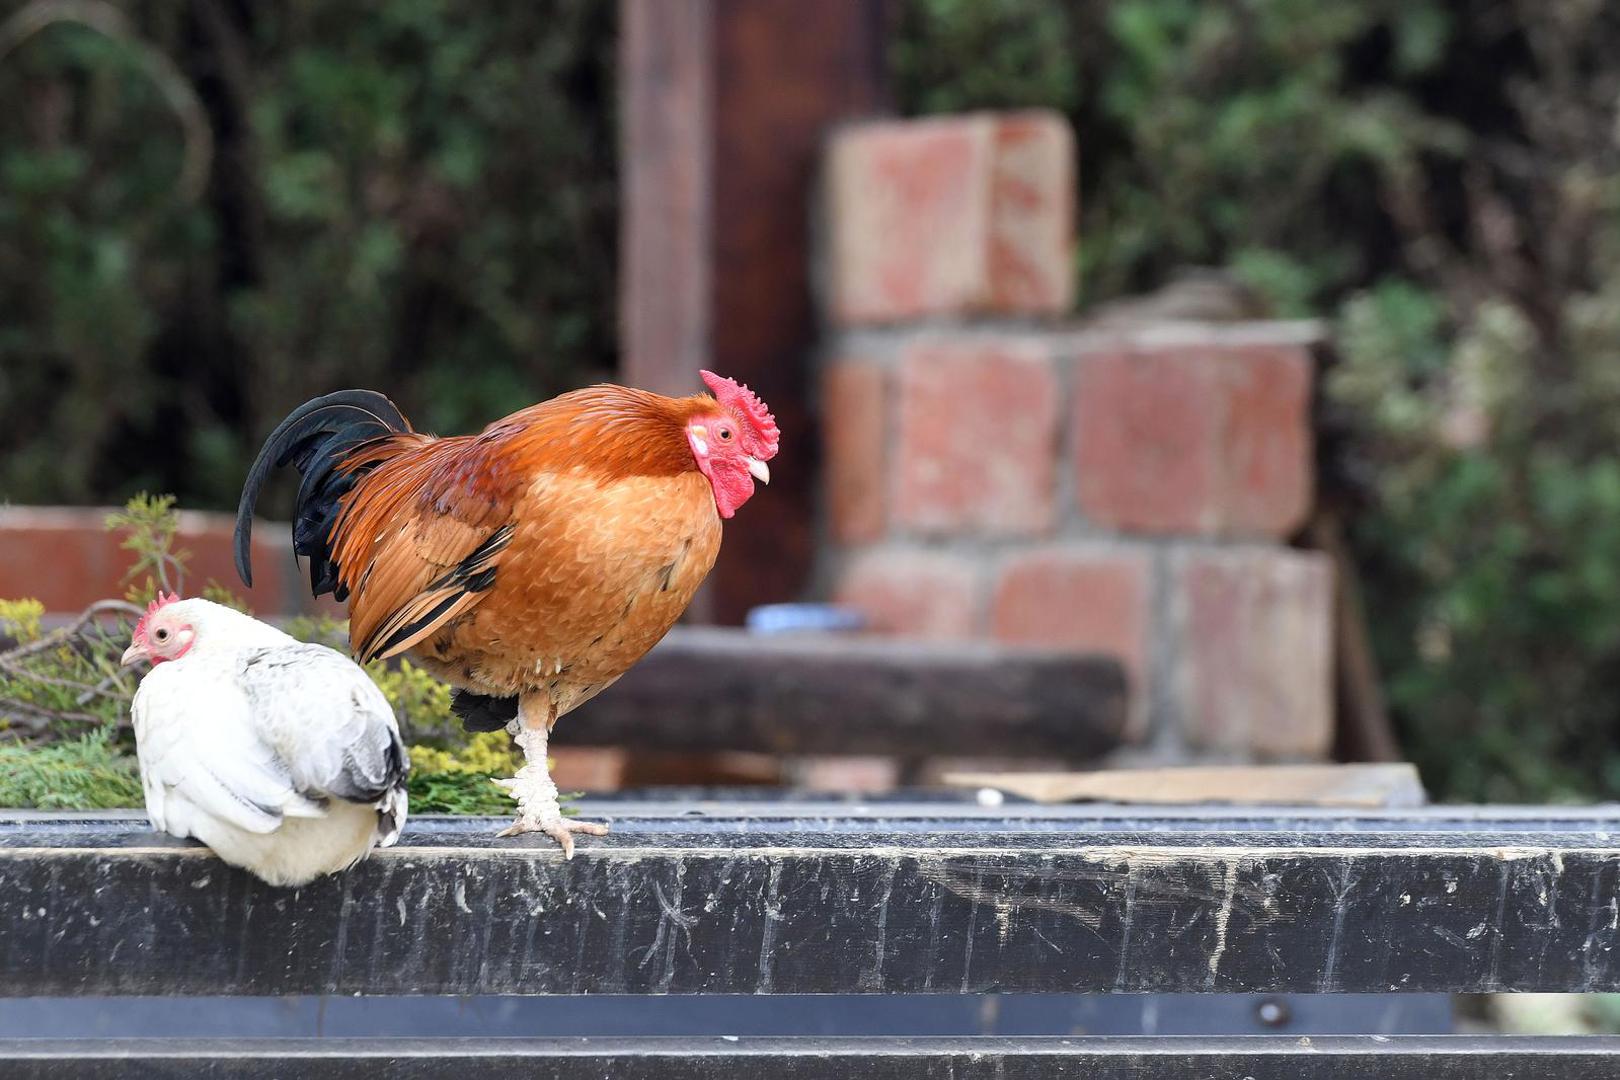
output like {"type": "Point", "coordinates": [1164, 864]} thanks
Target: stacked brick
{"type": "Point", "coordinates": [1125, 491]}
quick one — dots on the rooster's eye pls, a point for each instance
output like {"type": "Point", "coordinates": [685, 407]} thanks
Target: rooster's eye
{"type": "Point", "coordinates": [162, 635]}
{"type": "Point", "coordinates": [725, 434]}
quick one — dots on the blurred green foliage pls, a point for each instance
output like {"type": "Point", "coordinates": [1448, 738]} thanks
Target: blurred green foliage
{"type": "Point", "coordinates": [211, 210]}
{"type": "Point", "coordinates": [87, 772]}
{"type": "Point", "coordinates": [1442, 181]}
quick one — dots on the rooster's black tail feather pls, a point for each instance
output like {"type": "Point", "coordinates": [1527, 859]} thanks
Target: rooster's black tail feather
{"type": "Point", "coordinates": [315, 439]}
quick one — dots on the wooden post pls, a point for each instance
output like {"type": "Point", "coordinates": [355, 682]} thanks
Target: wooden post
{"type": "Point", "coordinates": [725, 106]}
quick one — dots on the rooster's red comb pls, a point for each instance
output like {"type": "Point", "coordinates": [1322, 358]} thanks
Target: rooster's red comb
{"type": "Point", "coordinates": [734, 395]}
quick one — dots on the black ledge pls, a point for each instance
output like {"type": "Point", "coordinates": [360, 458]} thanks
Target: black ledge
{"type": "Point", "coordinates": [798, 897]}
{"type": "Point", "coordinates": [1254, 1058]}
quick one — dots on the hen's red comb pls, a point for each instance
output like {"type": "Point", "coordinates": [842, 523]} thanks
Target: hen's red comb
{"type": "Point", "coordinates": [158, 603]}
{"type": "Point", "coordinates": [734, 395]}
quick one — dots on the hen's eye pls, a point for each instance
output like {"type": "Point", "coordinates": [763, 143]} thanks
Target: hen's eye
{"type": "Point", "coordinates": [162, 635]}
{"type": "Point", "coordinates": [725, 434]}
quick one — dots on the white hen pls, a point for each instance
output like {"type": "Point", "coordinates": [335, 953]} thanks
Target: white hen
{"type": "Point", "coordinates": [283, 757]}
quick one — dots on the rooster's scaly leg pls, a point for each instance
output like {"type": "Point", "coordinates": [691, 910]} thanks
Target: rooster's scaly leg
{"type": "Point", "coordinates": [532, 787]}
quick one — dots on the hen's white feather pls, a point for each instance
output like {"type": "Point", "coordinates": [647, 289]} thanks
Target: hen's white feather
{"type": "Point", "coordinates": [283, 757]}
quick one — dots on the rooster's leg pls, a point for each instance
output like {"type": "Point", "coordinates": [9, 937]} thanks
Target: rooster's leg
{"type": "Point", "coordinates": [532, 787]}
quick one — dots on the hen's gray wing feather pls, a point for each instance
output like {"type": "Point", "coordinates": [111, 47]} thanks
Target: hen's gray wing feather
{"type": "Point", "coordinates": [327, 721]}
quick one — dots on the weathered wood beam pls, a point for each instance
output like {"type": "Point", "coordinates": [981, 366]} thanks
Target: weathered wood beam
{"type": "Point", "coordinates": [1266, 1058]}
{"type": "Point", "coordinates": [706, 898]}
{"type": "Point", "coordinates": [716, 689]}
{"type": "Point", "coordinates": [725, 104]}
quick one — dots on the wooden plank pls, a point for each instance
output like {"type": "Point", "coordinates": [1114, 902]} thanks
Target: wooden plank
{"type": "Point", "coordinates": [725, 104]}
{"type": "Point", "coordinates": [1368, 787]}
{"type": "Point", "coordinates": [1332, 1058]}
{"type": "Point", "coordinates": [817, 898]}
{"type": "Point", "coordinates": [1364, 731]}
{"type": "Point", "coordinates": [717, 689]}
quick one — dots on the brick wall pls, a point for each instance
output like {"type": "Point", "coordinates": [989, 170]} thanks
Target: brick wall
{"type": "Point", "coordinates": [992, 470]}
{"type": "Point", "coordinates": [66, 558]}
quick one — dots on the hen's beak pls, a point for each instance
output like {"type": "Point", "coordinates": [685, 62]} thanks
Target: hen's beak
{"type": "Point", "coordinates": [132, 655]}
{"type": "Point", "coordinates": [759, 470]}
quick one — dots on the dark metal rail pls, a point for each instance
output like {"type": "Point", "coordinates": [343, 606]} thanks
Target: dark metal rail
{"type": "Point", "coordinates": [830, 898]}
{"type": "Point", "coordinates": [1254, 1058]}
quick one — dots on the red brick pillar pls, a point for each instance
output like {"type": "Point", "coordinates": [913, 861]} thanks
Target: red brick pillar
{"type": "Point", "coordinates": [995, 471]}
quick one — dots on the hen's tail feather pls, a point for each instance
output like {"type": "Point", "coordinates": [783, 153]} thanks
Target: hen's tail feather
{"type": "Point", "coordinates": [390, 795]}
{"type": "Point", "coordinates": [315, 438]}
{"type": "Point", "coordinates": [392, 810]}
{"type": "Point", "coordinates": [480, 712]}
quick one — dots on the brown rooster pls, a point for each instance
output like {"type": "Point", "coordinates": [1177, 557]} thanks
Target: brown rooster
{"type": "Point", "coordinates": [529, 565]}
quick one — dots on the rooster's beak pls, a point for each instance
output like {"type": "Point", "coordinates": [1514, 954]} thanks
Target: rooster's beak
{"type": "Point", "coordinates": [131, 655]}
{"type": "Point", "coordinates": [759, 470]}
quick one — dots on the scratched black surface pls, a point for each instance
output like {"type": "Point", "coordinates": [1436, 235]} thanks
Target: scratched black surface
{"type": "Point", "coordinates": [807, 898]}
{"type": "Point", "coordinates": [1341, 1058]}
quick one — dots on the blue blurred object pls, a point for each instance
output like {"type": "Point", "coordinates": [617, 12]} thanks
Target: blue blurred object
{"type": "Point", "coordinates": [798, 618]}
{"type": "Point", "coordinates": [728, 1014]}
